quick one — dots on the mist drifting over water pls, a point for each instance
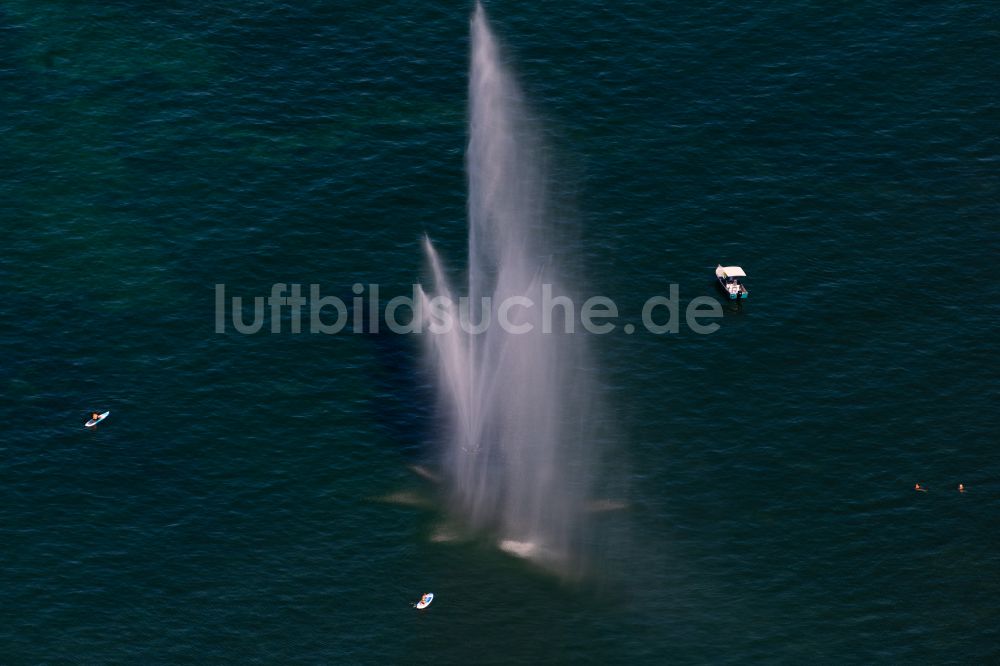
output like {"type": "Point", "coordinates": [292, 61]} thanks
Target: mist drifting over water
{"type": "Point", "coordinates": [520, 411]}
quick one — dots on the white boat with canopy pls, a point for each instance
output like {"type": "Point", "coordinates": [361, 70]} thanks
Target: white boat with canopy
{"type": "Point", "coordinates": [730, 281]}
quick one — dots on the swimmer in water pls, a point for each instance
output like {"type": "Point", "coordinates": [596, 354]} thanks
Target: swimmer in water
{"type": "Point", "coordinates": [920, 488]}
{"type": "Point", "coordinates": [961, 488]}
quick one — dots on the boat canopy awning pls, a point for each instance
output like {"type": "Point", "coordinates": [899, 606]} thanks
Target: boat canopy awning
{"type": "Point", "coordinates": [731, 271]}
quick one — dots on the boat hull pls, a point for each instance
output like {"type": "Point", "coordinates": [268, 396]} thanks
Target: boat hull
{"type": "Point", "coordinates": [733, 296]}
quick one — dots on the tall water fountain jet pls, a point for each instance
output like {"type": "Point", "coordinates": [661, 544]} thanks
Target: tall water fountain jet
{"type": "Point", "coordinates": [521, 437]}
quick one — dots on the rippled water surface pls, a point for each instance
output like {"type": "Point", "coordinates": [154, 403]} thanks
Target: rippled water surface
{"type": "Point", "coordinates": [250, 498]}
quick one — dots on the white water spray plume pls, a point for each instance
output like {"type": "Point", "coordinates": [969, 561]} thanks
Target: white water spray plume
{"type": "Point", "coordinates": [520, 450]}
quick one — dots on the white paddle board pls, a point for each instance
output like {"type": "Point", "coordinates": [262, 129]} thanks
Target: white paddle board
{"type": "Point", "coordinates": [100, 417]}
{"type": "Point", "coordinates": [425, 601]}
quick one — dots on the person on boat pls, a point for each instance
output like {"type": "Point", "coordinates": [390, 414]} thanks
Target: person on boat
{"type": "Point", "coordinates": [921, 489]}
{"type": "Point", "coordinates": [94, 416]}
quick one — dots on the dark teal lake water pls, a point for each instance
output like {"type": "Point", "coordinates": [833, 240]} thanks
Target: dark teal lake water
{"type": "Point", "coordinates": [228, 511]}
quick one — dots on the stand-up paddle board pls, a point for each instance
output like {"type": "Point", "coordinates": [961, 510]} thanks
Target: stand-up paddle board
{"type": "Point", "coordinates": [425, 601]}
{"type": "Point", "coordinates": [92, 422]}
